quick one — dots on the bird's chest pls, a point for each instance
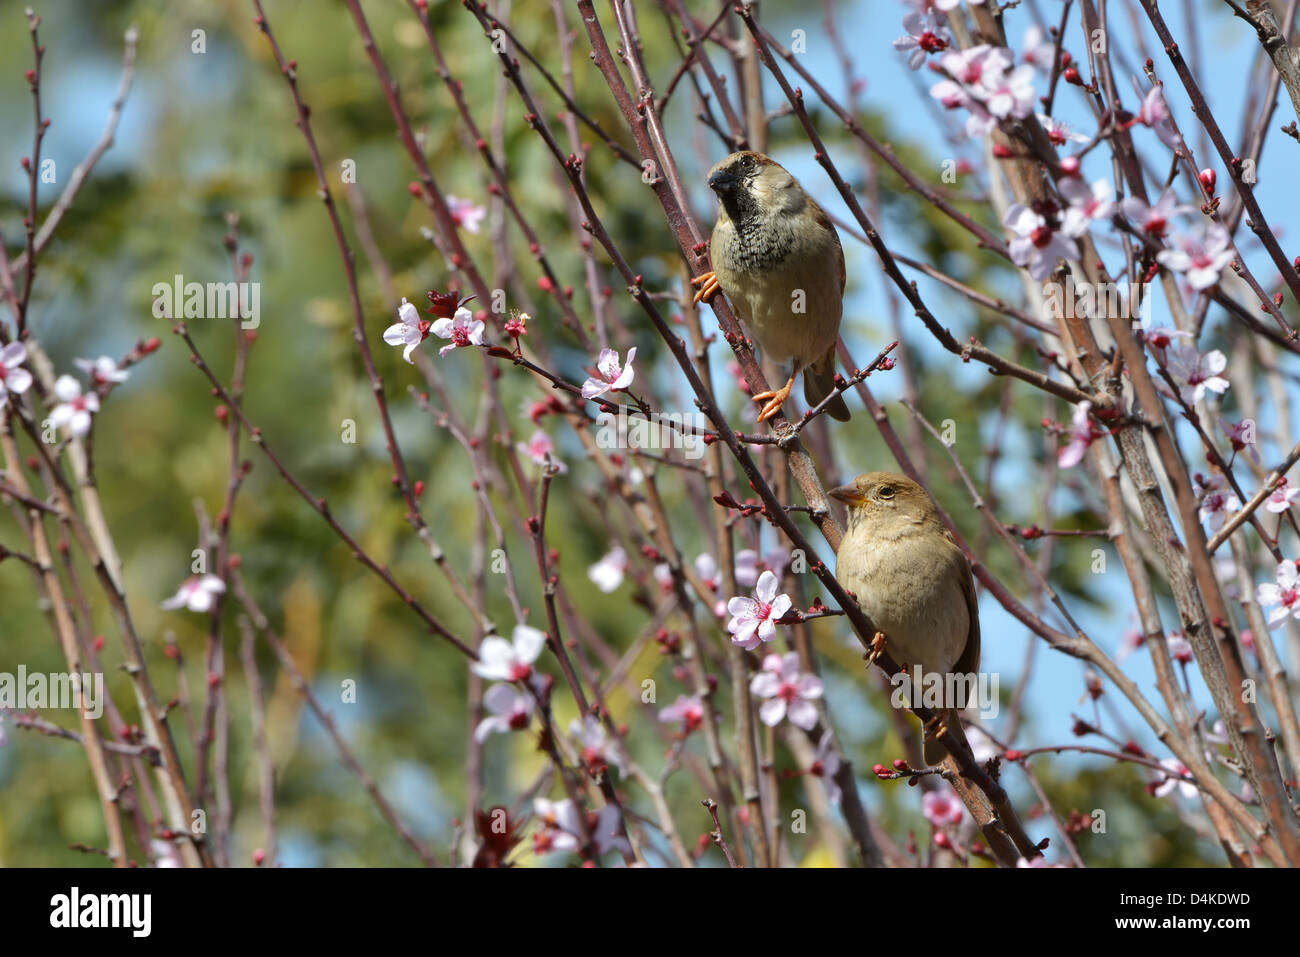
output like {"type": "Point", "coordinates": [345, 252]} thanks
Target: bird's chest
{"type": "Point", "coordinates": [913, 595]}
{"type": "Point", "coordinates": [786, 293]}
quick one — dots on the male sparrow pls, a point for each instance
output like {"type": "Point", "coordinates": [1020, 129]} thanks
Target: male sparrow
{"type": "Point", "coordinates": [912, 580]}
{"type": "Point", "coordinates": [778, 258]}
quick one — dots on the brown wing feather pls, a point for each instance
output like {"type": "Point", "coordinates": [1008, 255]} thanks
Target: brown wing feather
{"type": "Point", "coordinates": [819, 215]}
{"type": "Point", "coordinates": [969, 661]}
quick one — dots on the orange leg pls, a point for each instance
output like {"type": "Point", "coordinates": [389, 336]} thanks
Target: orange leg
{"type": "Point", "coordinates": [708, 284]}
{"type": "Point", "coordinates": [777, 396]}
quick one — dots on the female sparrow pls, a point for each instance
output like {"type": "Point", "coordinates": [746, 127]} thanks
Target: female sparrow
{"type": "Point", "coordinates": [778, 258]}
{"type": "Point", "coordinates": [912, 580]}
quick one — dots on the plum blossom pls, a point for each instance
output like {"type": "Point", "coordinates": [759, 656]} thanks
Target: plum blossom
{"type": "Point", "coordinates": [1132, 642]}
{"type": "Point", "coordinates": [1195, 372]}
{"type": "Point", "coordinates": [102, 371]}
{"type": "Point", "coordinates": [12, 378]}
{"type": "Point", "coordinates": [1086, 204]}
{"type": "Point", "coordinates": [1180, 649]}
{"type": "Point", "coordinates": [754, 619]}
{"type": "Point", "coordinates": [1010, 93]}
{"type": "Point", "coordinates": [924, 36]}
{"type": "Point", "coordinates": [1038, 49]}
{"type": "Point", "coordinates": [687, 709]}
{"type": "Point", "coordinates": [613, 376]}
{"type": "Point", "coordinates": [973, 77]}
{"type": "Point", "coordinates": [1178, 777]}
{"type": "Point", "coordinates": [1036, 244]}
{"type": "Point", "coordinates": [787, 692]}
{"type": "Point", "coordinates": [946, 5]}
{"type": "Point", "coordinates": [559, 826]}
{"type": "Point", "coordinates": [706, 566]}
{"type": "Point", "coordinates": [749, 566]}
{"type": "Point", "coordinates": [1217, 501]}
{"type": "Point", "coordinates": [594, 744]}
{"type": "Point", "coordinates": [540, 447]}
{"type": "Point", "coordinates": [1153, 220]}
{"type": "Point", "coordinates": [462, 329]}
{"type": "Point", "coordinates": [607, 574]}
{"type": "Point", "coordinates": [197, 593]}
{"type": "Point", "coordinates": [510, 710]}
{"type": "Point", "coordinates": [1159, 338]}
{"type": "Point", "coordinates": [606, 831]}
{"type": "Point", "coordinates": [1059, 132]}
{"type": "Point", "coordinates": [74, 409]}
{"type": "Point", "coordinates": [1201, 260]}
{"type": "Point", "coordinates": [941, 809]}
{"type": "Point", "coordinates": [501, 660]}
{"type": "Point", "coordinates": [410, 330]}
{"type": "Point", "coordinates": [1283, 498]}
{"type": "Point", "coordinates": [1242, 437]}
{"type": "Point", "coordinates": [1285, 593]}
{"type": "Point", "coordinates": [826, 764]}
{"type": "Point", "coordinates": [1082, 435]}
{"type": "Point", "coordinates": [1155, 114]}
{"type": "Point", "coordinates": [466, 212]}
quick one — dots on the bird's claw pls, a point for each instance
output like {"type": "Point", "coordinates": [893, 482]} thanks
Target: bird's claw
{"type": "Point", "coordinates": [708, 284]}
{"type": "Point", "coordinates": [777, 396]}
{"type": "Point", "coordinates": [877, 648]}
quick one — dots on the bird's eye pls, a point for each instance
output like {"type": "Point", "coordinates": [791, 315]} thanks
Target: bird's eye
{"type": "Point", "coordinates": [886, 491]}
{"type": "Point", "coordinates": [747, 162]}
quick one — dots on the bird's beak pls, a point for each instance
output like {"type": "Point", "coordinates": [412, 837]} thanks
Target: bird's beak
{"type": "Point", "coordinates": [723, 181]}
{"type": "Point", "coordinates": [848, 494]}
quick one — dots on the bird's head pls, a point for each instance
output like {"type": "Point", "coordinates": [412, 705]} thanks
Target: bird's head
{"type": "Point", "coordinates": [886, 498]}
{"type": "Point", "coordinates": [747, 182]}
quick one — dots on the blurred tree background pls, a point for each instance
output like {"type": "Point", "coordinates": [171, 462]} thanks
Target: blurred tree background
{"type": "Point", "coordinates": [208, 134]}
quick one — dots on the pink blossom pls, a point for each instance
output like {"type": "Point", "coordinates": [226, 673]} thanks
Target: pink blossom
{"type": "Point", "coordinates": [540, 447]}
{"type": "Point", "coordinates": [410, 330]}
{"type": "Point", "coordinates": [686, 709]}
{"type": "Point", "coordinates": [1082, 435]}
{"type": "Point", "coordinates": [1086, 205]}
{"type": "Point", "coordinates": [1155, 114]}
{"type": "Point", "coordinates": [946, 5]}
{"type": "Point", "coordinates": [1132, 642]}
{"type": "Point", "coordinates": [74, 409]}
{"type": "Point", "coordinates": [1285, 593]}
{"type": "Point", "coordinates": [465, 213]}
{"type": "Point", "coordinates": [1059, 132]}
{"type": "Point", "coordinates": [559, 826]}
{"type": "Point", "coordinates": [826, 764]}
{"type": "Point", "coordinates": [787, 692]}
{"type": "Point", "coordinates": [1153, 220]}
{"type": "Point", "coordinates": [594, 744]}
{"type": "Point", "coordinates": [462, 329]}
{"type": "Point", "coordinates": [609, 571]}
{"type": "Point", "coordinates": [754, 619]}
{"type": "Point", "coordinates": [1180, 649]}
{"type": "Point", "coordinates": [1195, 372]}
{"type": "Point", "coordinates": [1179, 777]}
{"type": "Point", "coordinates": [12, 378]}
{"type": "Point", "coordinates": [924, 36]}
{"type": "Point", "coordinates": [942, 809]}
{"type": "Point", "coordinates": [1242, 437]}
{"type": "Point", "coordinates": [102, 371]}
{"type": "Point", "coordinates": [1201, 260]}
{"type": "Point", "coordinates": [1036, 244]}
{"type": "Point", "coordinates": [1009, 94]}
{"type": "Point", "coordinates": [1038, 49]}
{"type": "Point", "coordinates": [501, 660]}
{"type": "Point", "coordinates": [1283, 497]}
{"type": "Point", "coordinates": [613, 377]}
{"type": "Point", "coordinates": [510, 710]}
{"type": "Point", "coordinates": [197, 593]}
{"type": "Point", "coordinates": [749, 566]}
{"type": "Point", "coordinates": [1215, 498]}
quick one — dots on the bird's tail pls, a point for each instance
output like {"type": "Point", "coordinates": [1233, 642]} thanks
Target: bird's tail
{"type": "Point", "coordinates": [819, 382]}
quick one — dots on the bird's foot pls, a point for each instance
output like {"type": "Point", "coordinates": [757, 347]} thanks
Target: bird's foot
{"type": "Point", "coordinates": [708, 284]}
{"type": "Point", "coordinates": [777, 397]}
{"type": "Point", "coordinates": [877, 648]}
{"type": "Point", "coordinates": [936, 727]}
